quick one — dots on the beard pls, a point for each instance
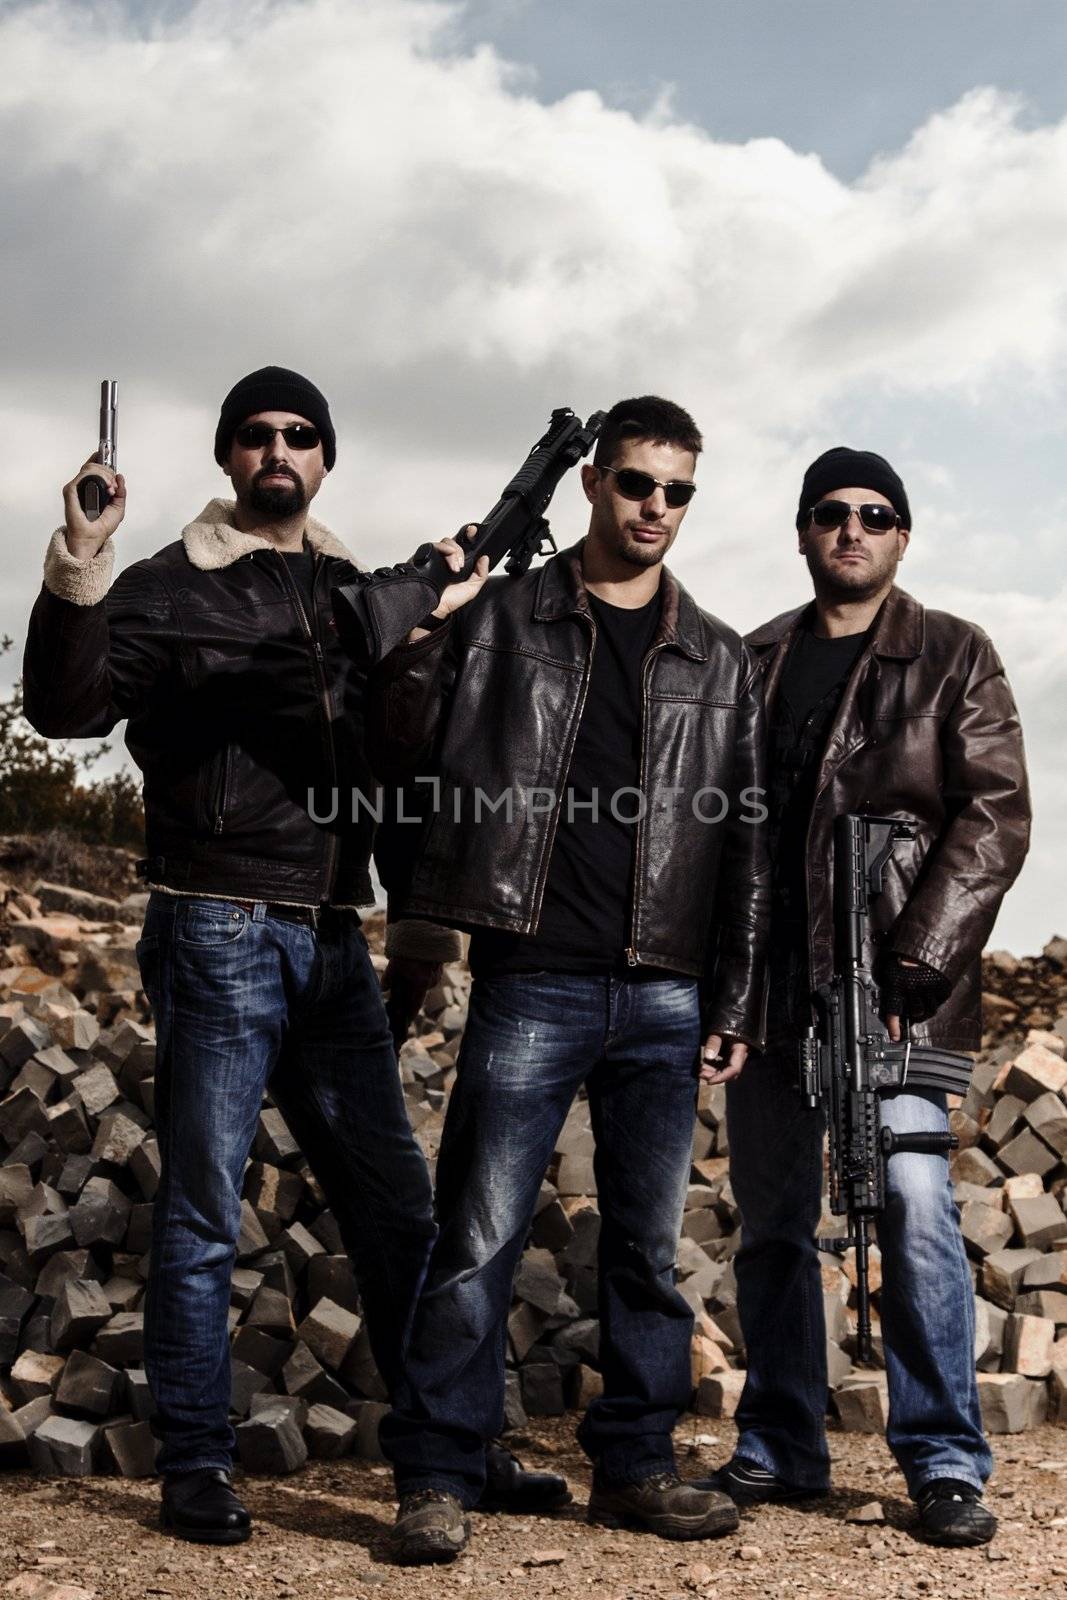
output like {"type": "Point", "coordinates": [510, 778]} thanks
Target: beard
{"type": "Point", "coordinates": [850, 583]}
{"type": "Point", "coordinates": [277, 501]}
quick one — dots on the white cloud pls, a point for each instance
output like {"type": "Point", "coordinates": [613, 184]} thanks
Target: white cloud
{"type": "Point", "coordinates": [335, 188]}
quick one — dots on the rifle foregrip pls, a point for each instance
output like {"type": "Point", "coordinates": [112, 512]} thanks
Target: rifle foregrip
{"type": "Point", "coordinates": [920, 1144]}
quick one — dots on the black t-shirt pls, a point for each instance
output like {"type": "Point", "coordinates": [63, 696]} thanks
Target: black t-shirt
{"type": "Point", "coordinates": [812, 684]}
{"type": "Point", "coordinates": [301, 564]}
{"type": "Point", "coordinates": [584, 924]}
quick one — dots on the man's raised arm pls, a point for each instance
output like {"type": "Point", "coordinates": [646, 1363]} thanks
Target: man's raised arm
{"type": "Point", "coordinates": [93, 650]}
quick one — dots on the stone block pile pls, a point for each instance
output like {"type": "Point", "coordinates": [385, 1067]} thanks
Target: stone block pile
{"type": "Point", "coordinates": [79, 1166]}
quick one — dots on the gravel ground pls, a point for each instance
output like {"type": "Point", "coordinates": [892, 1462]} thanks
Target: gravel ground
{"type": "Point", "coordinates": [321, 1533]}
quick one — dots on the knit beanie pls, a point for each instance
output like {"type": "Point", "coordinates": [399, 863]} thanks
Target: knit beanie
{"type": "Point", "coordinates": [274, 389]}
{"type": "Point", "coordinates": [842, 468]}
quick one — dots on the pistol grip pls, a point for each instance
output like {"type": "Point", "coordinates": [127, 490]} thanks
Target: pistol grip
{"type": "Point", "coordinates": [92, 497]}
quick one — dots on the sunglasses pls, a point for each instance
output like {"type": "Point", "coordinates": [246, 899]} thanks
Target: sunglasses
{"type": "Point", "coordinates": [634, 485]}
{"type": "Point", "coordinates": [257, 435]}
{"type": "Point", "coordinates": [835, 513]}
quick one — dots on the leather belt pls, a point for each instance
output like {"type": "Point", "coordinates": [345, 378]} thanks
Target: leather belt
{"type": "Point", "coordinates": [308, 916]}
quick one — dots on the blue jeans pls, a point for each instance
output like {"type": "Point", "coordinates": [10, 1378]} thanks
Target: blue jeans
{"type": "Point", "coordinates": [926, 1300]}
{"type": "Point", "coordinates": [242, 1001]}
{"type": "Point", "coordinates": [531, 1041]}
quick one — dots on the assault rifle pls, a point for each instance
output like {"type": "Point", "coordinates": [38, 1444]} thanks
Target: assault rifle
{"type": "Point", "coordinates": [376, 611]}
{"type": "Point", "coordinates": [849, 1060]}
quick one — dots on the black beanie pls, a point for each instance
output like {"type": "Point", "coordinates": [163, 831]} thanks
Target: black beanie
{"type": "Point", "coordinates": [852, 469]}
{"type": "Point", "coordinates": [274, 389]}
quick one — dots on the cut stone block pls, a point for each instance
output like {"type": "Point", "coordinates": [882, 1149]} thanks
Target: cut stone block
{"type": "Point", "coordinates": [271, 1441]}
{"type": "Point", "coordinates": [974, 1166]}
{"type": "Point", "coordinates": [1036, 1071]}
{"type": "Point", "coordinates": [35, 1373]}
{"type": "Point", "coordinates": [1002, 1273]}
{"type": "Point", "coordinates": [1028, 1345]}
{"type": "Point", "coordinates": [1040, 1222]}
{"type": "Point", "coordinates": [1047, 1116]}
{"type": "Point", "coordinates": [65, 1447]}
{"type": "Point", "coordinates": [121, 1339]}
{"type": "Point", "coordinates": [862, 1404]}
{"type": "Point", "coordinates": [542, 1389]}
{"type": "Point", "coordinates": [1005, 1401]}
{"type": "Point", "coordinates": [719, 1394]}
{"type": "Point", "coordinates": [87, 1386]}
{"type": "Point", "coordinates": [329, 1332]}
{"type": "Point", "coordinates": [80, 1308]}
{"type": "Point", "coordinates": [984, 1228]}
{"type": "Point", "coordinates": [133, 1448]}
{"type": "Point", "coordinates": [330, 1433]}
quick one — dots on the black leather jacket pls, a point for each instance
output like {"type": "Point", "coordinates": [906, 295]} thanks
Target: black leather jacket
{"type": "Point", "coordinates": [492, 701]}
{"type": "Point", "coordinates": [239, 703]}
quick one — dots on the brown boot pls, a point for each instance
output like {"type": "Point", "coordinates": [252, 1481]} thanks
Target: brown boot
{"type": "Point", "coordinates": [430, 1526]}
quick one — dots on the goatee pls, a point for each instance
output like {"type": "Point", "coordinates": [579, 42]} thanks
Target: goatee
{"type": "Point", "coordinates": [276, 501]}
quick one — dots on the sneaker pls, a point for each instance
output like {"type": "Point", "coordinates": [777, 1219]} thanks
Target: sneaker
{"type": "Point", "coordinates": [509, 1487]}
{"type": "Point", "coordinates": [951, 1512]}
{"type": "Point", "coordinates": [430, 1526]}
{"type": "Point", "coordinates": [749, 1484]}
{"type": "Point", "coordinates": [665, 1505]}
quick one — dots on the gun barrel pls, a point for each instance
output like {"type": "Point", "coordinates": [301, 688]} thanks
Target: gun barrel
{"type": "Point", "coordinates": [109, 399]}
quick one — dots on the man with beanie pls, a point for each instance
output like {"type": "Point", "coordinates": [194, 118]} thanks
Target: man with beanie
{"type": "Point", "coordinates": [245, 718]}
{"type": "Point", "coordinates": [874, 704]}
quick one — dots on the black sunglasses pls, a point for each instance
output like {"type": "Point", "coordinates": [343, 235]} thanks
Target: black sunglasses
{"type": "Point", "coordinates": [257, 435]}
{"type": "Point", "coordinates": [634, 485]}
{"type": "Point", "coordinates": [835, 513]}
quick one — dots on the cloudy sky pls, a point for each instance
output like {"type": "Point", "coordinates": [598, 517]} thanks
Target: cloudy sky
{"type": "Point", "coordinates": [819, 223]}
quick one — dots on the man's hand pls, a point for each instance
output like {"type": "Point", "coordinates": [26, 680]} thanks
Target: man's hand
{"type": "Point", "coordinates": [406, 984]}
{"type": "Point", "coordinates": [84, 538]}
{"type": "Point", "coordinates": [725, 1063]}
{"type": "Point", "coordinates": [457, 594]}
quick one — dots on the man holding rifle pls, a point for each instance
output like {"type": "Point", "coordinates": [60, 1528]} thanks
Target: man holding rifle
{"type": "Point", "coordinates": [220, 651]}
{"type": "Point", "coordinates": [594, 735]}
{"type": "Point", "coordinates": [875, 705]}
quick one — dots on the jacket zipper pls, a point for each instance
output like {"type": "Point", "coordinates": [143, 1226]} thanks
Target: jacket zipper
{"type": "Point", "coordinates": [631, 949]}
{"type": "Point", "coordinates": [324, 701]}
{"type": "Point", "coordinates": [221, 791]}
{"type": "Point", "coordinates": [554, 824]}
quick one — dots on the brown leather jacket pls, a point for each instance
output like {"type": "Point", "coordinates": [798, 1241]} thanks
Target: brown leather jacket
{"type": "Point", "coordinates": [492, 701]}
{"type": "Point", "coordinates": [927, 731]}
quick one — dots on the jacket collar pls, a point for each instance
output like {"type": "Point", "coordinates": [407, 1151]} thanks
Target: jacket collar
{"type": "Point", "coordinates": [899, 629]}
{"type": "Point", "coordinates": [561, 592]}
{"type": "Point", "coordinates": [213, 542]}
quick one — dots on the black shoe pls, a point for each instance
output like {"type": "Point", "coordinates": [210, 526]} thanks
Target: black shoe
{"type": "Point", "coordinates": [430, 1526]}
{"type": "Point", "coordinates": [202, 1506]}
{"type": "Point", "coordinates": [951, 1512]}
{"type": "Point", "coordinates": [749, 1484]}
{"type": "Point", "coordinates": [665, 1505]}
{"type": "Point", "coordinates": [509, 1487]}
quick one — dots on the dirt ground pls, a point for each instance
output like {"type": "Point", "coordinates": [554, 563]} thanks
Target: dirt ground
{"type": "Point", "coordinates": [321, 1533]}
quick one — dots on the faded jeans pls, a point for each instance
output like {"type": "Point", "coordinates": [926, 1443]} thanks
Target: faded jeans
{"type": "Point", "coordinates": [926, 1300]}
{"type": "Point", "coordinates": [531, 1041]}
{"type": "Point", "coordinates": [242, 1001]}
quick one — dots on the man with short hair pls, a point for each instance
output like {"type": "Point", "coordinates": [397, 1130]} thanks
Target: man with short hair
{"type": "Point", "coordinates": [595, 736]}
{"type": "Point", "coordinates": [874, 704]}
{"type": "Point", "coordinates": [220, 650]}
